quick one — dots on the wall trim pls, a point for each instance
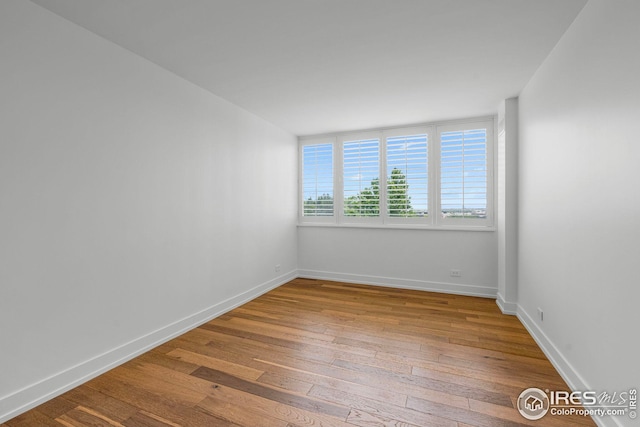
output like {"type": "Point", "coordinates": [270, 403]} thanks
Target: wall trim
{"type": "Point", "coordinates": [35, 394]}
{"type": "Point", "coordinates": [420, 285]}
{"type": "Point", "coordinates": [562, 365]}
{"type": "Point", "coordinates": [510, 308]}
{"type": "Point", "coordinates": [568, 373]}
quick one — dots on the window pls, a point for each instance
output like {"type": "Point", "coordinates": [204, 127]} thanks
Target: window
{"type": "Point", "coordinates": [317, 173]}
{"type": "Point", "coordinates": [463, 173]}
{"type": "Point", "coordinates": [423, 176]}
{"type": "Point", "coordinates": [407, 175]}
{"type": "Point", "coordinates": [361, 178]}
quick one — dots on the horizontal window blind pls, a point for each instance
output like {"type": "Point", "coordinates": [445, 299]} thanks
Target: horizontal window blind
{"type": "Point", "coordinates": [361, 172]}
{"type": "Point", "coordinates": [407, 176]}
{"type": "Point", "coordinates": [463, 173]}
{"type": "Point", "coordinates": [436, 175]}
{"type": "Point", "coordinates": [317, 180]}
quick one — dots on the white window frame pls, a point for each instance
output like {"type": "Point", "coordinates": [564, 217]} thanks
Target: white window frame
{"type": "Point", "coordinates": [327, 220]}
{"type": "Point", "coordinates": [434, 220]}
{"type": "Point", "coordinates": [408, 131]}
{"type": "Point", "coordinates": [339, 174]}
{"type": "Point", "coordinates": [462, 222]}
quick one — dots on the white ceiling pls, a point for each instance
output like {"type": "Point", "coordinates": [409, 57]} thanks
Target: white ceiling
{"type": "Point", "coordinates": [316, 66]}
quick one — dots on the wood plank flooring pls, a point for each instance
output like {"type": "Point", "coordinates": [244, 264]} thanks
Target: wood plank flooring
{"type": "Point", "coordinates": [319, 353]}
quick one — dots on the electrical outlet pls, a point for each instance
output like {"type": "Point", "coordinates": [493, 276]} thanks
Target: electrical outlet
{"type": "Point", "coordinates": [277, 268]}
{"type": "Point", "coordinates": [455, 273]}
{"type": "Point", "coordinates": [540, 314]}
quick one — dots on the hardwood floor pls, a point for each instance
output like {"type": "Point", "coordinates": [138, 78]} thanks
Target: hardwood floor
{"type": "Point", "coordinates": [319, 353]}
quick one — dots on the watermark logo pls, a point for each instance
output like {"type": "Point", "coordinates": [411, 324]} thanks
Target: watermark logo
{"type": "Point", "coordinates": [533, 403]}
{"type": "Point", "coordinates": [633, 403]}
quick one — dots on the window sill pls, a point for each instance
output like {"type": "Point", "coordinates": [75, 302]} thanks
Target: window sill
{"type": "Point", "coordinates": [490, 228]}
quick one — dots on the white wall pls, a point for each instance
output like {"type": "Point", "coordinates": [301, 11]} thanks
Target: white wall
{"type": "Point", "coordinates": [420, 259]}
{"type": "Point", "coordinates": [579, 236]}
{"type": "Point", "coordinates": [132, 204]}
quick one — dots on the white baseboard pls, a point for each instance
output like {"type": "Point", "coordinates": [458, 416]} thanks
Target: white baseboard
{"type": "Point", "coordinates": [33, 395]}
{"type": "Point", "coordinates": [421, 285]}
{"type": "Point", "coordinates": [506, 307]}
{"type": "Point", "coordinates": [573, 379]}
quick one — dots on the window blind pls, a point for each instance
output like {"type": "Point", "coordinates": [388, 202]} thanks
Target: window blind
{"type": "Point", "coordinates": [463, 173]}
{"type": "Point", "coordinates": [317, 180]}
{"type": "Point", "coordinates": [361, 172]}
{"type": "Point", "coordinates": [407, 176]}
